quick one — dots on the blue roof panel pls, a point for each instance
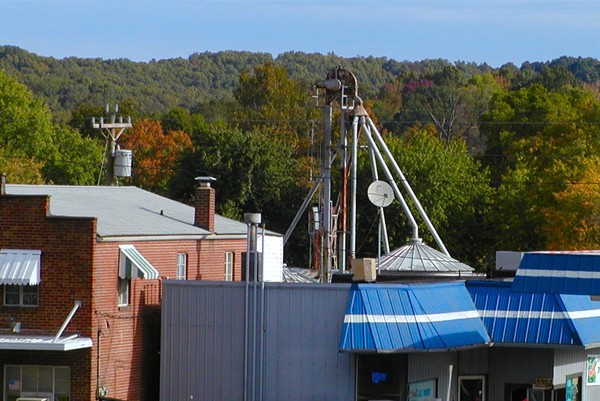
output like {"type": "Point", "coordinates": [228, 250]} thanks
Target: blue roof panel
{"type": "Point", "coordinates": [559, 273]}
{"type": "Point", "coordinates": [535, 318]}
{"type": "Point", "coordinates": [411, 317]}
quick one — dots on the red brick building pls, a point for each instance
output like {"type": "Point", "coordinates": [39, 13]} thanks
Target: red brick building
{"type": "Point", "coordinates": [80, 274]}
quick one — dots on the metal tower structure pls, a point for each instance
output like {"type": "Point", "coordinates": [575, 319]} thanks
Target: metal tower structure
{"type": "Point", "coordinates": [111, 130]}
{"type": "Point", "coordinates": [337, 222]}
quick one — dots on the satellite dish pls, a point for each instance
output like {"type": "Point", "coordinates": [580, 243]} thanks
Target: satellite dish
{"type": "Point", "coordinates": [380, 193]}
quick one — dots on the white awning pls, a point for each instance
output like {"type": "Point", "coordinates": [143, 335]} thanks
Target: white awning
{"type": "Point", "coordinates": [133, 265]}
{"type": "Point", "coordinates": [19, 267]}
{"type": "Point", "coordinates": [43, 343]}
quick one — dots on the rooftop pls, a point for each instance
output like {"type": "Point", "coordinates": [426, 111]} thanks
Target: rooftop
{"type": "Point", "coordinates": [126, 211]}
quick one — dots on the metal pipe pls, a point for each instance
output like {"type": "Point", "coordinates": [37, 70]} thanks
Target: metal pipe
{"type": "Point", "coordinates": [353, 187]}
{"type": "Point", "coordinates": [67, 320]}
{"type": "Point", "coordinates": [262, 319]}
{"type": "Point", "coordinates": [300, 211]}
{"type": "Point", "coordinates": [408, 188]}
{"type": "Point", "coordinates": [382, 231]}
{"type": "Point", "coordinates": [390, 178]}
{"type": "Point", "coordinates": [254, 312]}
{"type": "Point", "coordinates": [246, 312]}
{"type": "Point", "coordinates": [342, 214]}
{"type": "Point", "coordinates": [326, 168]}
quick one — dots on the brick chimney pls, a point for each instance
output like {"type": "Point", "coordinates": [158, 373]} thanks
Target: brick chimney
{"type": "Point", "coordinates": [204, 204]}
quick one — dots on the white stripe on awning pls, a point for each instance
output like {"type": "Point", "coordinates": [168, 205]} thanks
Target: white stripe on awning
{"type": "Point", "coordinates": [20, 267]}
{"type": "Point", "coordinates": [133, 264]}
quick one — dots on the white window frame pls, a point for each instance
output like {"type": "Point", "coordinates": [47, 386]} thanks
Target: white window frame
{"type": "Point", "coordinates": [181, 268]}
{"type": "Point", "coordinates": [228, 268]}
{"type": "Point", "coordinates": [25, 393]}
{"type": "Point", "coordinates": [472, 378]}
{"type": "Point", "coordinates": [123, 289]}
{"type": "Point", "coordinates": [32, 290]}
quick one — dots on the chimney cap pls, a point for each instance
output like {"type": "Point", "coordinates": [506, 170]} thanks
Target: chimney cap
{"type": "Point", "coordinates": [205, 180]}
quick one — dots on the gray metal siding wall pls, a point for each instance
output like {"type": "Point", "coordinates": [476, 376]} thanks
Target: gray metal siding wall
{"type": "Point", "coordinates": [202, 344]}
{"type": "Point", "coordinates": [568, 362]}
{"type": "Point", "coordinates": [518, 366]}
{"type": "Point", "coordinates": [435, 365]}
{"type": "Point", "coordinates": [302, 336]}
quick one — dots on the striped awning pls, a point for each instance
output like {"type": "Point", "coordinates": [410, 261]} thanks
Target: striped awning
{"type": "Point", "coordinates": [411, 317]}
{"type": "Point", "coordinates": [133, 264]}
{"type": "Point", "coordinates": [518, 318]}
{"type": "Point", "coordinates": [20, 267]}
{"type": "Point", "coordinates": [559, 272]}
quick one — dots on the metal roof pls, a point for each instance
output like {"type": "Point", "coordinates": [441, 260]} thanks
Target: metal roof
{"type": "Point", "coordinates": [299, 275]}
{"type": "Point", "coordinates": [44, 343]}
{"type": "Point", "coordinates": [126, 211]}
{"type": "Point", "coordinates": [415, 256]}
{"type": "Point", "coordinates": [410, 317]}
{"type": "Point", "coordinates": [535, 318]}
{"type": "Point", "coordinates": [576, 272]}
{"type": "Point", "coordinates": [19, 267]}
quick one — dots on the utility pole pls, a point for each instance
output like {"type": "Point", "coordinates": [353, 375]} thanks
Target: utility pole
{"type": "Point", "coordinates": [111, 131]}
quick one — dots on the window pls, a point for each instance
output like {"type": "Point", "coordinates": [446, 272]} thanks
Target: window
{"type": "Point", "coordinates": [52, 382]}
{"type": "Point", "coordinates": [20, 295]}
{"type": "Point", "coordinates": [123, 285]}
{"type": "Point", "coordinates": [471, 388]}
{"type": "Point", "coordinates": [228, 266]}
{"type": "Point", "coordinates": [381, 377]}
{"type": "Point", "coordinates": [181, 273]}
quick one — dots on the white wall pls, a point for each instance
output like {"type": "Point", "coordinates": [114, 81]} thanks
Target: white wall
{"type": "Point", "coordinates": [273, 257]}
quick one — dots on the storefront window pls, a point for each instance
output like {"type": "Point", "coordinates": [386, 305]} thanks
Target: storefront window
{"type": "Point", "coordinates": [52, 382]}
{"type": "Point", "coordinates": [380, 377]}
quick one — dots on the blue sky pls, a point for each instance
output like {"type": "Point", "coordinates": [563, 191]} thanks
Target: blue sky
{"type": "Point", "coordinates": [491, 31]}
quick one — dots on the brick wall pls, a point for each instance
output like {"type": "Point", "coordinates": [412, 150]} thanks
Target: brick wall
{"type": "Point", "coordinates": [67, 246]}
{"type": "Point", "coordinates": [75, 266]}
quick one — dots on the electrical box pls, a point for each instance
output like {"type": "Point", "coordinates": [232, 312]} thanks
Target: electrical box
{"type": "Point", "coordinates": [364, 269]}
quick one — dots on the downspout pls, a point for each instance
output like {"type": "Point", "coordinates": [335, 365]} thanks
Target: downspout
{"type": "Point", "coordinates": [246, 314]}
{"type": "Point", "coordinates": [262, 319]}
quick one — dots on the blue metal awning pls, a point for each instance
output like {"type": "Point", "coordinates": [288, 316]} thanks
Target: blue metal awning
{"type": "Point", "coordinates": [411, 317]}
{"type": "Point", "coordinates": [559, 272]}
{"type": "Point", "coordinates": [514, 318]}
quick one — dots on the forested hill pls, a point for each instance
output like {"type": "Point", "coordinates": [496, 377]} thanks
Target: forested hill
{"type": "Point", "coordinates": [160, 85]}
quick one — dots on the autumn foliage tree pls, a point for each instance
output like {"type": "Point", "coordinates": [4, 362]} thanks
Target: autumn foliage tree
{"type": "Point", "coordinates": [573, 222]}
{"type": "Point", "coordinates": [155, 153]}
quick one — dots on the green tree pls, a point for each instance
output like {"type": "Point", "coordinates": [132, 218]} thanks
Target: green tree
{"type": "Point", "coordinates": [450, 185]}
{"type": "Point", "coordinates": [542, 142]}
{"type": "Point", "coordinates": [25, 124]}
{"type": "Point", "coordinates": [19, 168]}
{"type": "Point", "coordinates": [74, 160]}
{"type": "Point", "coordinates": [273, 103]}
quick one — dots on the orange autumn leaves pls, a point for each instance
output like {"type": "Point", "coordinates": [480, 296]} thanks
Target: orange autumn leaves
{"type": "Point", "coordinates": [155, 153]}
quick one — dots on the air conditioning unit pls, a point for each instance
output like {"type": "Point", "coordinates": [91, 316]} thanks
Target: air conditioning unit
{"type": "Point", "coordinates": [364, 269]}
